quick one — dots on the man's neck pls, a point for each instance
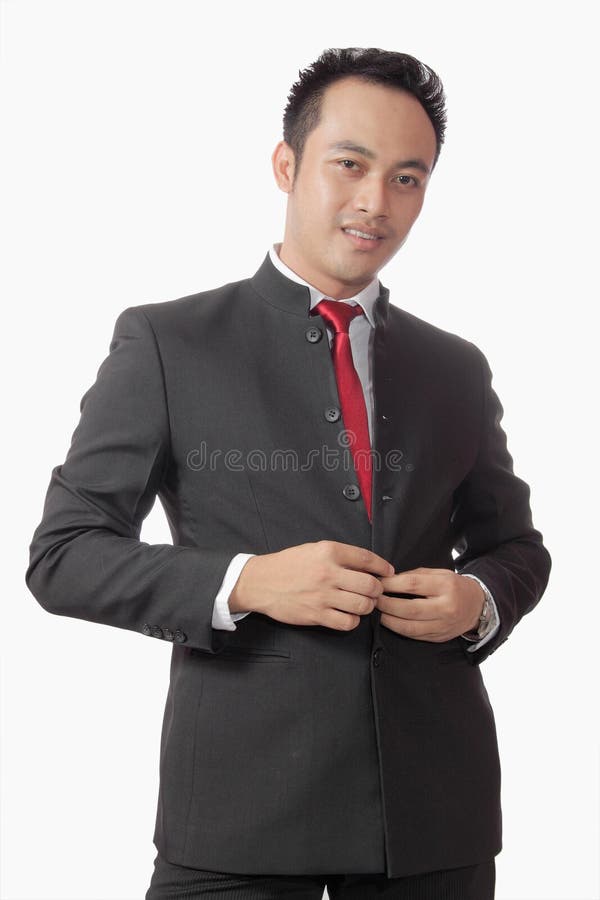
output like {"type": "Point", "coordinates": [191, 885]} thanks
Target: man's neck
{"type": "Point", "coordinates": [328, 287]}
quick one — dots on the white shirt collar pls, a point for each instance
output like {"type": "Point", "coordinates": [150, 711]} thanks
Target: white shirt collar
{"type": "Point", "coordinates": [366, 297]}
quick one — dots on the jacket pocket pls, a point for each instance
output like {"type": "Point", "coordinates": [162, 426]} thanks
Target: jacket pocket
{"type": "Point", "coordinates": [257, 654]}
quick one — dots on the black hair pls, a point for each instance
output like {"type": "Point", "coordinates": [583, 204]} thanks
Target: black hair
{"type": "Point", "coordinates": [387, 67]}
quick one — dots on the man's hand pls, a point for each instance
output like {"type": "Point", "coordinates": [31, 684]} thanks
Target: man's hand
{"type": "Point", "coordinates": [322, 583]}
{"type": "Point", "coordinates": [447, 604]}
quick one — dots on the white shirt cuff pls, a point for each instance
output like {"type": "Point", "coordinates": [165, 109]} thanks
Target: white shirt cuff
{"type": "Point", "coordinates": [222, 617]}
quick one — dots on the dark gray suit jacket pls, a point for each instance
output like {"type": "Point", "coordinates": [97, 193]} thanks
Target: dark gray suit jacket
{"type": "Point", "coordinates": [295, 749]}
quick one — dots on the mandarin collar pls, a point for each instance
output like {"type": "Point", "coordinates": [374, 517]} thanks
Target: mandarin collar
{"type": "Point", "coordinates": [284, 289]}
{"type": "Point", "coordinates": [367, 297]}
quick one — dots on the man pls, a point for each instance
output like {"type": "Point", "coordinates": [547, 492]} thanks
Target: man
{"type": "Point", "coordinates": [320, 455]}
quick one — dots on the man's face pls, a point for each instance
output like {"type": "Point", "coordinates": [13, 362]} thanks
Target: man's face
{"type": "Point", "coordinates": [365, 167]}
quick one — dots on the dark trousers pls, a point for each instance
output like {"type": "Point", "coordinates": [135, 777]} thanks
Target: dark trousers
{"type": "Point", "coordinates": [172, 882]}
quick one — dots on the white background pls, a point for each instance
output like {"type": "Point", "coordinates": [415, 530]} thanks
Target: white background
{"type": "Point", "coordinates": [136, 143]}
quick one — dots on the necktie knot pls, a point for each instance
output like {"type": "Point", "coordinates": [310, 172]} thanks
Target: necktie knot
{"type": "Point", "coordinates": [338, 314]}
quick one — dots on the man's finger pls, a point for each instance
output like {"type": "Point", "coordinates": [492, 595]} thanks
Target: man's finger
{"type": "Point", "coordinates": [417, 610]}
{"type": "Point", "coordinates": [360, 558]}
{"type": "Point", "coordinates": [434, 630]}
{"type": "Point", "coordinates": [424, 582]}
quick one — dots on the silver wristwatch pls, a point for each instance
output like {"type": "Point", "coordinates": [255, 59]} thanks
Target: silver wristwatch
{"type": "Point", "coordinates": [485, 615]}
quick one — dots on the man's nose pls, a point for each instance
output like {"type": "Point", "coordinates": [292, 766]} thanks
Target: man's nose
{"type": "Point", "coordinates": [372, 197]}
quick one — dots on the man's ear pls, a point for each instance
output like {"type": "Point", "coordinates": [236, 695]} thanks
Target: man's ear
{"type": "Point", "coordinates": [284, 166]}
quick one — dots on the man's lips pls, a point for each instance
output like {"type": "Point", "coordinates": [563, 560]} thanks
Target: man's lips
{"type": "Point", "coordinates": [365, 233]}
{"type": "Point", "coordinates": [362, 240]}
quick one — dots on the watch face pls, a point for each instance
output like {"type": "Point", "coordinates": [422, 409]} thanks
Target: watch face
{"type": "Point", "coordinates": [486, 615]}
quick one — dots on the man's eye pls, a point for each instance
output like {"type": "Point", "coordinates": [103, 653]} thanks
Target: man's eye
{"type": "Point", "coordinates": [408, 179]}
{"type": "Point", "coordinates": [344, 161]}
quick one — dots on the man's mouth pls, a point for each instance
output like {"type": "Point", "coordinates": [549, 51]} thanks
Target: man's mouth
{"type": "Point", "coordinates": [362, 234]}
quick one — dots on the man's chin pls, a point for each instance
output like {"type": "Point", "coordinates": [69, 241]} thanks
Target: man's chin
{"type": "Point", "coordinates": [356, 273]}
{"type": "Point", "coordinates": [359, 264]}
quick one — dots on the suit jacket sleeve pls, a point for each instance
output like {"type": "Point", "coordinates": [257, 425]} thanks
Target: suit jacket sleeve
{"type": "Point", "coordinates": [494, 534]}
{"type": "Point", "coordinates": [86, 557]}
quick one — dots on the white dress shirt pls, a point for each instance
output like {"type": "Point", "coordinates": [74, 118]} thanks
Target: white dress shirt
{"type": "Point", "coordinates": [361, 332]}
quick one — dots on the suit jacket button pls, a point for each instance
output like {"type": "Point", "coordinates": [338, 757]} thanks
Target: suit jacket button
{"type": "Point", "coordinates": [180, 636]}
{"type": "Point", "coordinates": [376, 655]}
{"type": "Point", "coordinates": [351, 491]}
{"type": "Point", "coordinates": [146, 629]}
{"type": "Point", "coordinates": [167, 634]}
{"type": "Point", "coordinates": [156, 631]}
{"type": "Point", "coordinates": [313, 334]}
{"type": "Point", "coordinates": [332, 414]}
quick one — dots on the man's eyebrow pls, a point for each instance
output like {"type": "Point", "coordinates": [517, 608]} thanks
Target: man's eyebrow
{"type": "Point", "coordinates": [364, 151]}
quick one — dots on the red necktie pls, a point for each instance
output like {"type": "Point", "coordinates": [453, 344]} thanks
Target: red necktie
{"type": "Point", "coordinates": [338, 316]}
